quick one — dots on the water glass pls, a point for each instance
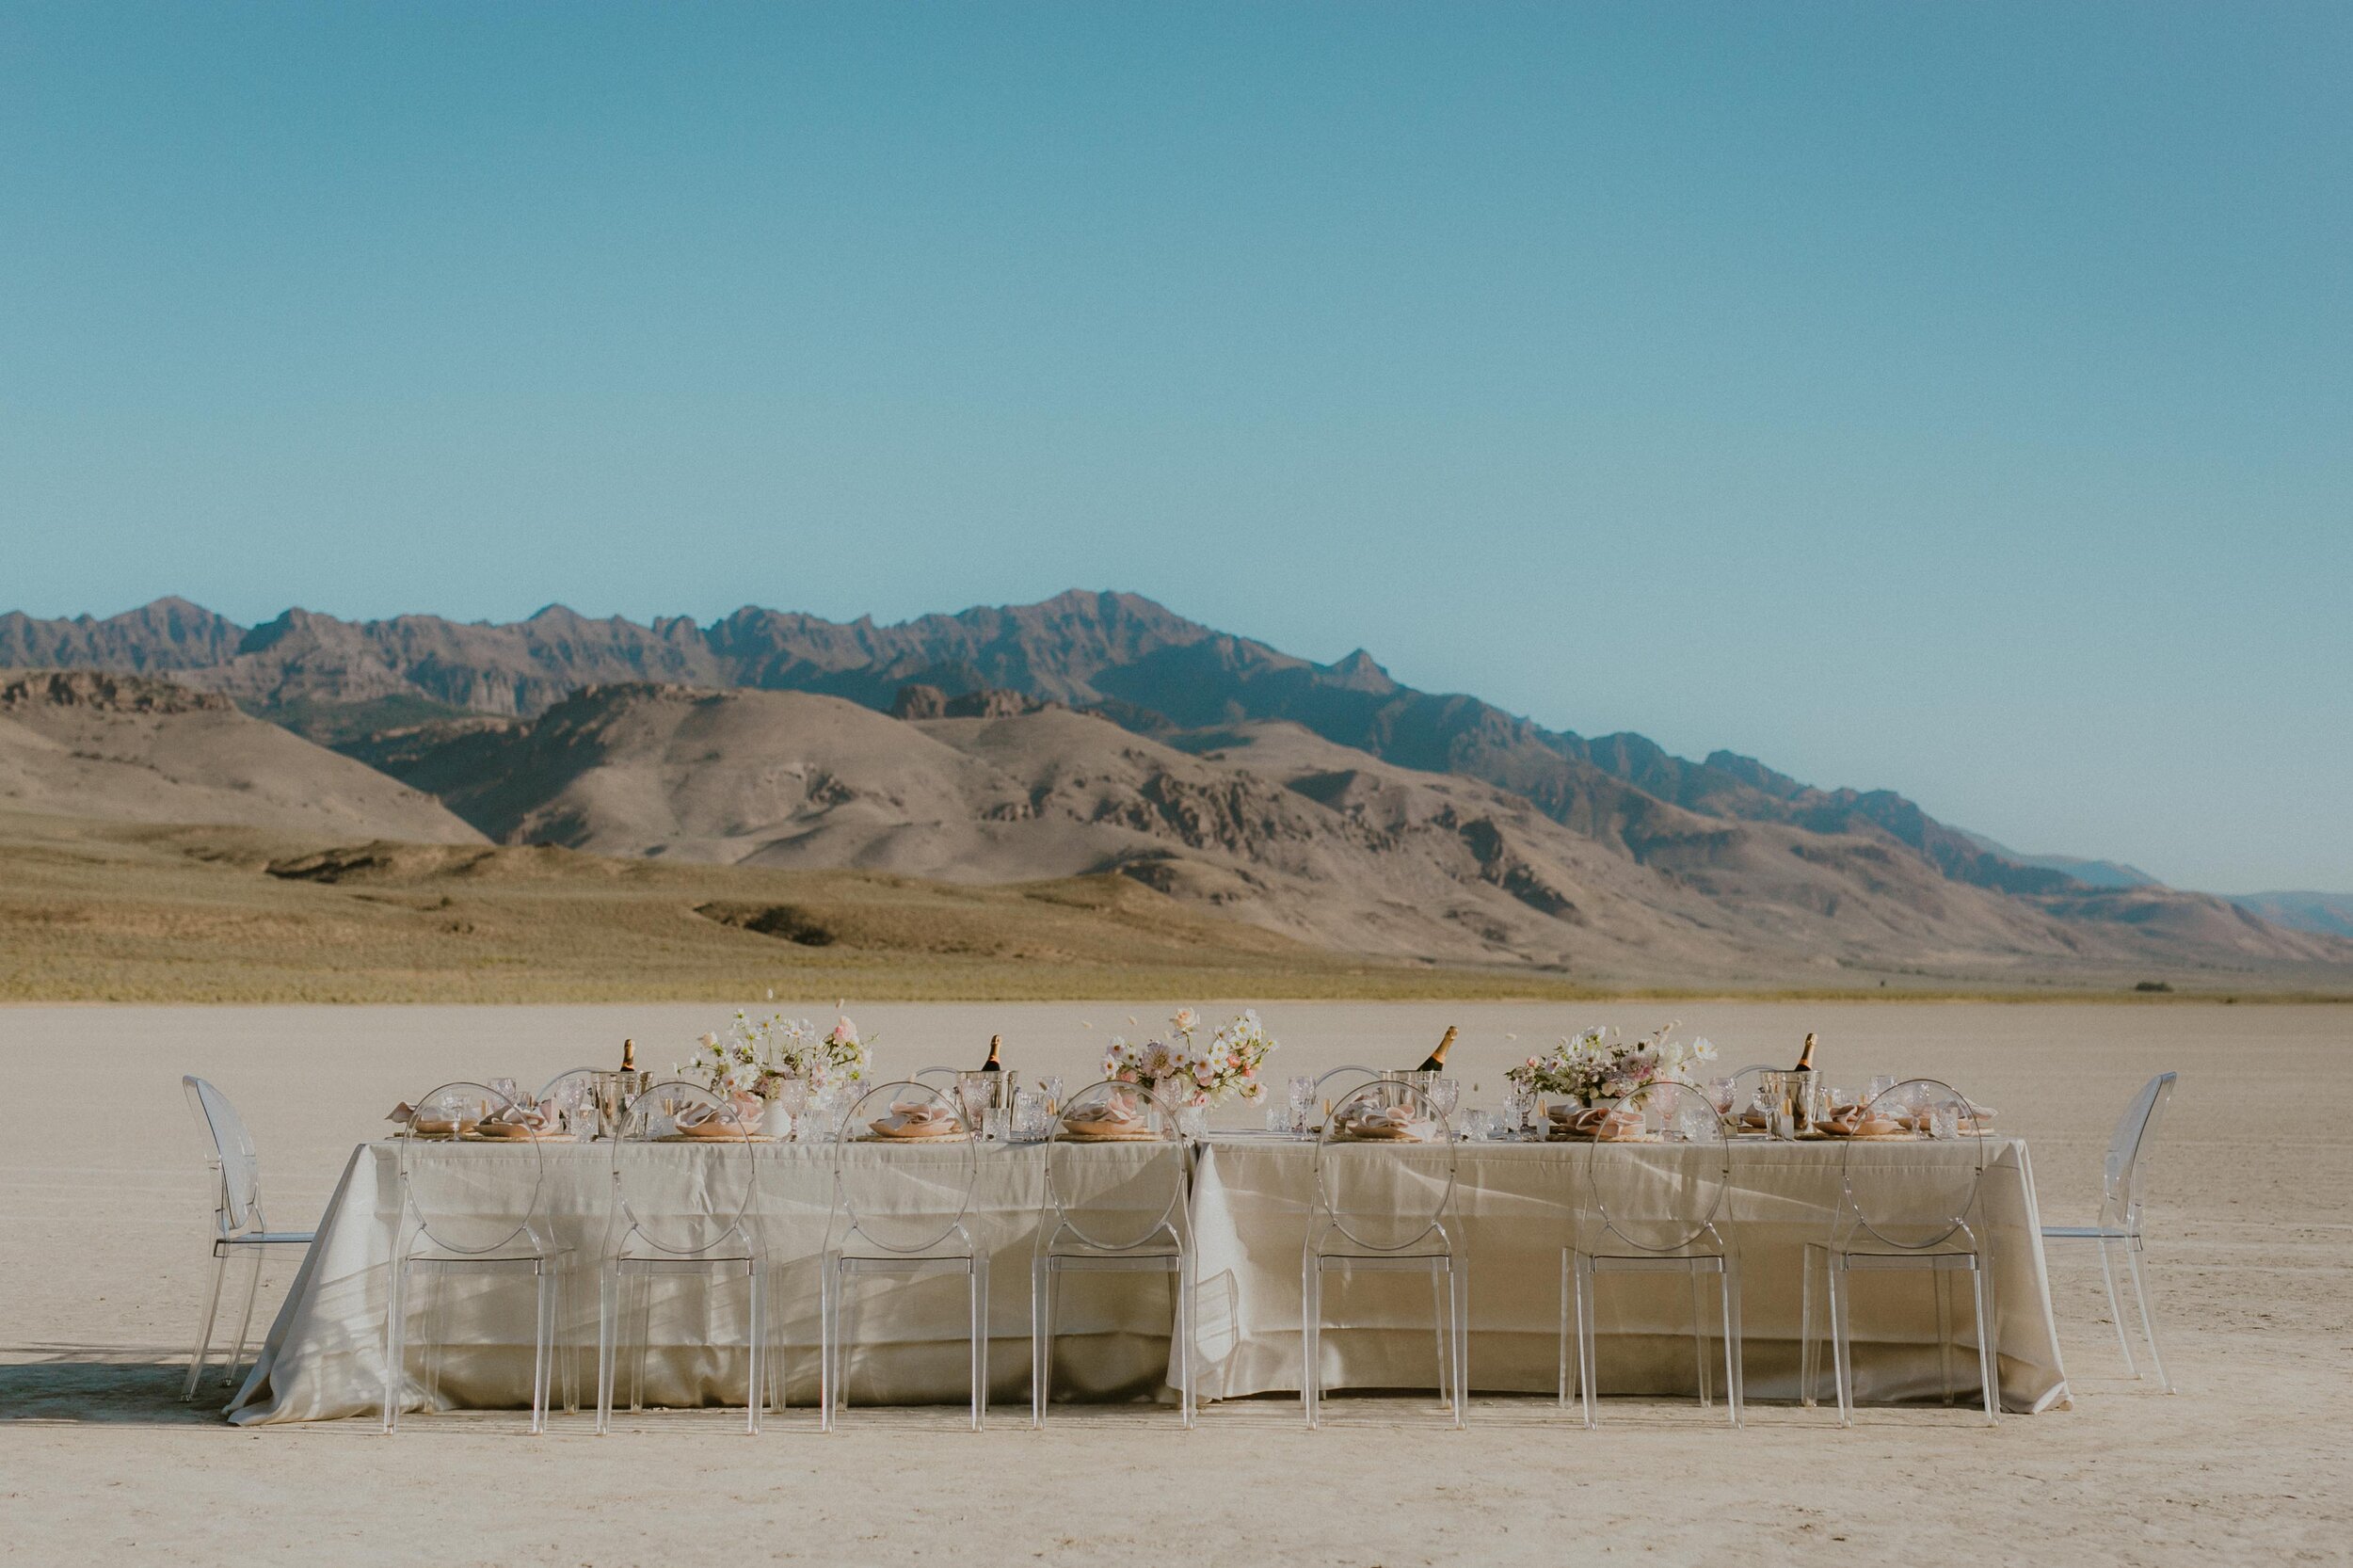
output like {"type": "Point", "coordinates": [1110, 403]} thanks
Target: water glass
{"type": "Point", "coordinates": [1278, 1120]}
{"type": "Point", "coordinates": [504, 1088]}
{"type": "Point", "coordinates": [1479, 1125]}
{"type": "Point", "coordinates": [1881, 1084]}
{"type": "Point", "coordinates": [1030, 1113]}
{"type": "Point", "coordinates": [1517, 1106]}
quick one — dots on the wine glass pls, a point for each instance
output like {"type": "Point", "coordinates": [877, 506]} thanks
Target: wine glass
{"type": "Point", "coordinates": [1445, 1094]}
{"type": "Point", "coordinates": [1302, 1090]}
{"type": "Point", "coordinates": [1881, 1083]}
{"type": "Point", "coordinates": [1051, 1088]}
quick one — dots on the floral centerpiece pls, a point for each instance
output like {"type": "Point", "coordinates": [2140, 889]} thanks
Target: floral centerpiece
{"type": "Point", "coordinates": [1597, 1067]}
{"type": "Point", "coordinates": [753, 1055]}
{"type": "Point", "coordinates": [1194, 1076]}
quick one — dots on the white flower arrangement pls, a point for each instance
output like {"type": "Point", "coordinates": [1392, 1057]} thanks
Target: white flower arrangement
{"type": "Point", "coordinates": [753, 1051]}
{"type": "Point", "coordinates": [1598, 1066]}
{"type": "Point", "coordinates": [1194, 1075]}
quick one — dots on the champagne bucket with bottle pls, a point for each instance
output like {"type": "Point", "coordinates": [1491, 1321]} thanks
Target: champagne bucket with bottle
{"type": "Point", "coordinates": [1792, 1102]}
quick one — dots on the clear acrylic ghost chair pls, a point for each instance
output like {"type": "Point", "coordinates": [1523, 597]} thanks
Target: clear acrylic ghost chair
{"type": "Point", "coordinates": [1118, 1176]}
{"type": "Point", "coordinates": [1386, 1204]}
{"type": "Point", "coordinates": [900, 1211]}
{"type": "Point", "coordinates": [1655, 1195]}
{"type": "Point", "coordinates": [238, 1228]}
{"type": "Point", "coordinates": [573, 1092]}
{"type": "Point", "coordinates": [2121, 1196]}
{"type": "Point", "coordinates": [1912, 1214]}
{"type": "Point", "coordinates": [946, 1077]}
{"type": "Point", "coordinates": [467, 1209]}
{"type": "Point", "coordinates": [1745, 1084]}
{"type": "Point", "coordinates": [1340, 1082]}
{"type": "Point", "coordinates": [668, 1223]}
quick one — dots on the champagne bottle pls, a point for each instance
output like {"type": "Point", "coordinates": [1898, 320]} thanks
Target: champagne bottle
{"type": "Point", "coordinates": [628, 1056]}
{"type": "Point", "coordinates": [1805, 1057]}
{"type": "Point", "coordinates": [1435, 1061]}
{"type": "Point", "coordinates": [995, 1043]}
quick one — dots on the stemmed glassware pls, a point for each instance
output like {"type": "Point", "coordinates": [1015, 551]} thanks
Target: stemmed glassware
{"type": "Point", "coordinates": [1301, 1092]}
{"type": "Point", "coordinates": [1445, 1094]}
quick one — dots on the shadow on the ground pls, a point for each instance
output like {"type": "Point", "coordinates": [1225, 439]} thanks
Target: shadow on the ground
{"type": "Point", "coordinates": [96, 1385]}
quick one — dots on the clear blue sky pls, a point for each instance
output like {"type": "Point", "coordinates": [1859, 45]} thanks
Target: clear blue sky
{"type": "Point", "coordinates": [1955, 398]}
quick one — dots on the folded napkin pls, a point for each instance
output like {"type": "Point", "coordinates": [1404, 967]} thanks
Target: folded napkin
{"type": "Point", "coordinates": [1850, 1121]}
{"type": "Point", "coordinates": [430, 1122]}
{"type": "Point", "coordinates": [748, 1111]}
{"type": "Point", "coordinates": [923, 1120]}
{"type": "Point", "coordinates": [1604, 1122]}
{"type": "Point", "coordinates": [1108, 1115]}
{"type": "Point", "coordinates": [1393, 1121]}
{"type": "Point", "coordinates": [539, 1118]}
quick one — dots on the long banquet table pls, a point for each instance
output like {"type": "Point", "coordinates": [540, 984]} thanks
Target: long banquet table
{"type": "Point", "coordinates": [1250, 1206]}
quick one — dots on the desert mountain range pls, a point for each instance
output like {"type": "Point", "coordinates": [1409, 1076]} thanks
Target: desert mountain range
{"type": "Point", "coordinates": [1095, 732]}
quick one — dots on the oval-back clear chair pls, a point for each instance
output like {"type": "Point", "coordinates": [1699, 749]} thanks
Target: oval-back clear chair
{"type": "Point", "coordinates": [470, 1211]}
{"type": "Point", "coordinates": [1745, 1084]}
{"type": "Point", "coordinates": [1384, 1185]}
{"type": "Point", "coordinates": [2122, 1193]}
{"type": "Point", "coordinates": [573, 1092]}
{"type": "Point", "coordinates": [670, 1219]}
{"type": "Point", "coordinates": [238, 1228]}
{"type": "Point", "coordinates": [1339, 1081]}
{"type": "Point", "coordinates": [1654, 1197]}
{"type": "Point", "coordinates": [1117, 1177]}
{"type": "Point", "coordinates": [900, 1206]}
{"type": "Point", "coordinates": [1899, 1211]}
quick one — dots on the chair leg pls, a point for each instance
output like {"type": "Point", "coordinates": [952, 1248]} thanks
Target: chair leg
{"type": "Point", "coordinates": [979, 1339]}
{"type": "Point", "coordinates": [1564, 1368]}
{"type": "Point", "coordinates": [1041, 1343]}
{"type": "Point", "coordinates": [641, 1339]}
{"type": "Point", "coordinates": [1989, 1361]}
{"type": "Point", "coordinates": [1310, 1348]}
{"type": "Point", "coordinates": [2148, 1324]}
{"type": "Point", "coordinates": [1735, 1386]}
{"type": "Point", "coordinates": [1841, 1326]}
{"type": "Point", "coordinates": [608, 1349]}
{"type": "Point", "coordinates": [1944, 1330]}
{"type": "Point", "coordinates": [2116, 1312]}
{"type": "Point", "coordinates": [1184, 1339]}
{"type": "Point", "coordinates": [756, 1332]}
{"type": "Point", "coordinates": [244, 1320]}
{"type": "Point", "coordinates": [1439, 1290]}
{"type": "Point", "coordinates": [1458, 1330]}
{"type": "Point", "coordinates": [395, 1343]}
{"type": "Point", "coordinates": [1809, 1351]}
{"type": "Point", "coordinates": [1450, 1322]}
{"type": "Point", "coordinates": [204, 1352]}
{"type": "Point", "coordinates": [827, 1331]}
{"type": "Point", "coordinates": [1699, 1339]}
{"type": "Point", "coordinates": [542, 1344]}
{"type": "Point", "coordinates": [1587, 1308]}
{"type": "Point", "coordinates": [436, 1296]}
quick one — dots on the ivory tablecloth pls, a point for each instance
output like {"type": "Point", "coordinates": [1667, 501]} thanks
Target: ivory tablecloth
{"type": "Point", "coordinates": [1252, 1200]}
{"type": "Point", "coordinates": [1250, 1205]}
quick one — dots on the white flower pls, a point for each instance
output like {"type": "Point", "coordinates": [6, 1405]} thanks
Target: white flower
{"type": "Point", "coordinates": [1186, 1020]}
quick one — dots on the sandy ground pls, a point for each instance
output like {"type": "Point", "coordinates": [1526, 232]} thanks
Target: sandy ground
{"type": "Point", "coordinates": [102, 1207]}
